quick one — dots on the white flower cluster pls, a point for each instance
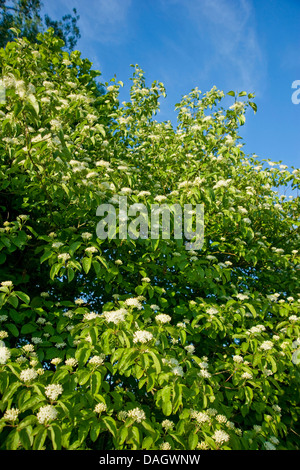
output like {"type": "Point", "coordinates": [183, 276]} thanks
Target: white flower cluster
{"type": "Point", "coordinates": [256, 329]}
{"type": "Point", "coordinates": [46, 413]}
{"type": "Point", "coordinates": [266, 345]}
{"type": "Point", "coordinates": [97, 360]}
{"type": "Point", "coordinates": [4, 353]}
{"type": "Point", "coordinates": [133, 302]}
{"type": "Point", "coordinates": [220, 437]}
{"type": "Point", "coordinates": [28, 374]}
{"type": "Point", "coordinates": [137, 414]}
{"type": "Point", "coordinates": [53, 391]}
{"type": "Point", "coordinates": [237, 359]}
{"type": "Point", "coordinates": [12, 414]}
{"type": "Point", "coordinates": [199, 416]}
{"type": "Point", "coordinates": [100, 407]}
{"type": "Point", "coordinates": [142, 336]}
{"type": "Point", "coordinates": [167, 424]}
{"type": "Point", "coordinates": [163, 318]}
{"type": "Point", "coordinates": [115, 316]}
{"type": "Point", "coordinates": [90, 316]}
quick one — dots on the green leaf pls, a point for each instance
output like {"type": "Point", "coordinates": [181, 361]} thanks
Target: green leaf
{"type": "Point", "coordinates": [70, 273]}
{"type": "Point", "coordinates": [86, 264]}
{"type": "Point", "coordinates": [156, 360]}
{"type": "Point", "coordinates": [40, 438]}
{"type": "Point", "coordinates": [23, 296]}
{"type": "Point", "coordinates": [11, 390]}
{"type": "Point", "coordinates": [55, 270]}
{"type": "Point", "coordinates": [193, 440]}
{"type": "Point", "coordinates": [55, 434]}
{"type": "Point", "coordinates": [95, 431]}
{"type": "Point", "coordinates": [95, 382]}
{"type": "Point", "coordinates": [28, 328]}
{"type": "Point", "coordinates": [13, 329]}
{"type": "Point", "coordinates": [26, 437]}
{"type": "Point", "coordinates": [12, 299]}
{"type": "Point", "coordinates": [110, 425]}
{"type": "Point", "coordinates": [252, 309]}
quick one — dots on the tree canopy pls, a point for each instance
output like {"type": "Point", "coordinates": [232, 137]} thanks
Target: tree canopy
{"type": "Point", "coordinates": [123, 343]}
{"type": "Point", "coordinates": [25, 16]}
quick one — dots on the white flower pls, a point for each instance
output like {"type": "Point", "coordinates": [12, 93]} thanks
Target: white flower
{"type": "Point", "coordinates": [266, 345]}
{"type": "Point", "coordinates": [132, 302]}
{"type": "Point", "coordinates": [142, 336]}
{"type": "Point", "coordinates": [28, 374]}
{"type": "Point", "coordinates": [52, 391]}
{"type": "Point", "coordinates": [90, 316]}
{"type": "Point", "coordinates": [146, 279]}
{"type": "Point", "coordinates": [160, 198]}
{"type": "Point", "coordinates": [242, 296]}
{"type": "Point", "coordinates": [28, 347]}
{"type": "Point", "coordinates": [167, 424]}
{"type": "Point", "coordinates": [190, 348]}
{"type": "Point", "coordinates": [144, 193]}
{"type": "Point", "coordinates": [257, 329]}
{"type": "Point", "coordinates": [115, 316]}
{"type": "Point", "coordinates": [100, 407]}
{"type": "Point", "coordinates": [91, 249]}
{"type": "Point", "coordinates": [204, 374]}
{"type": "Point", "coordinates": [237, 359]}
{"type": "Point", "coordinates": [86, 236]}
{"type": "Point", "coordinates": [212, 311]}
{"type": "Point", "coordinates": [178, 370]}
{"type": "Point", "coordinates": [222, 183]}
{"type": "Point", "coordinates": [4, 354]}
{"type": "Point", "coordinates": [96, 361]}
{"type": "Point", "coordinates": [6, 283]}
{"type": "Point", "coordinates": [126, 191]}
{"type": "Point", "coordinates": [165, 446]}
{"type": "Point", "coordinates": [154, 307]}
{"type": "Point", "coordinates": [56, 360]}
{"type": "Point", "coordinates": [221, 419]}
{"type": "Point", "coordinates": [247, 375]}
{"type": "Point", "coordinates": [163, 318]}
{"type": "Point", "coordinates": [137, 414]}
{"type": "Point", "coordinates": [293, 318]}
{"type": "Point", "coordinates": [46, 413]}
{"type": "Point", "coordinates": [64, 256]}
{"type": "Point", "coordinates": [12, 414]}
{"type": "Point", "coordinates": [220, 437]}
{"type": "Point", "coordinates": [71, 362]}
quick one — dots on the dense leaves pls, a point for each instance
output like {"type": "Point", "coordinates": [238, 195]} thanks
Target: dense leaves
{"type": "Point", "coordinates": [138, 343]}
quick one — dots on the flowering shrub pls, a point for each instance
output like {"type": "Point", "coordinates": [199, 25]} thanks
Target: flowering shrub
{"type": "Point", "coordinates": [140, 343]}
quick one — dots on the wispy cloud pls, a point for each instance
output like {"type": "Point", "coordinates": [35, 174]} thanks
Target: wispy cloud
{"type": "Point", "coordinates": [227, 29]}
{"type": "Point", "coordinates": [102, 21]}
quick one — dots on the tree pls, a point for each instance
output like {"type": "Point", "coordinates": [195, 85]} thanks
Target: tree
{"type": "Point", "coordinates": [139, 343]}
{"type": "Point", "coordinates": [25, 16]}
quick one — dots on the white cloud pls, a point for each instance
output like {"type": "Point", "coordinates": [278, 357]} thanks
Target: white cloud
{"type": "Point", "coordinates": [227, 29]}
{"type": "Point", "coordinates": [104, 21]}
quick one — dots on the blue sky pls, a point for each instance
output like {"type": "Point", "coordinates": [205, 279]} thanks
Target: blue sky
{"type": "Point", "coordinates": [251, 45]}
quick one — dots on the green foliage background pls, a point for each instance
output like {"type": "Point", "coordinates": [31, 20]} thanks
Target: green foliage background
{"type": "Point", "coordinates": [221, 371]}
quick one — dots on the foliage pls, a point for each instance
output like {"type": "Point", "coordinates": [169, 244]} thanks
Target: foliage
{"type": "Point", "coordinates": [25, 16]}
{"type": "Point", "coordinates": [219, 366]}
